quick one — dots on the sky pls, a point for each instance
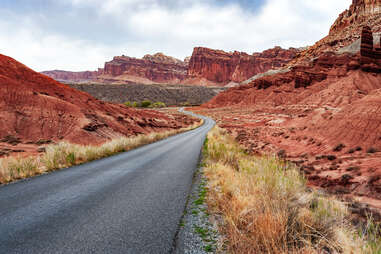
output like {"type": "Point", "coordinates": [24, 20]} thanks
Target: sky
{"type": "Point", "coordinates": [78, 35]}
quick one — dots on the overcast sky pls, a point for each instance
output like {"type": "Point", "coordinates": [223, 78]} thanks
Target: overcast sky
{"type": "Point", "coordinates": [81, 35]}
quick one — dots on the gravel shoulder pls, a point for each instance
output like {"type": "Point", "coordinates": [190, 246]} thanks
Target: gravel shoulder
{"type": "Point", "coordinates": [198, 232]}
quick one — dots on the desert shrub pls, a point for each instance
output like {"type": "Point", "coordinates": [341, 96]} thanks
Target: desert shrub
{"type": "Point", "coordinates": [339, 148]}
{"type": "Point", "coordinates": [145, 103]}
{"type": "Point", "coordinates": [266, 206]}
{"type": "Point", "coordinates": [372, 232]}
{"type": "Point", "coordinates": [372, 150]}
{"type": "Point", "coordinates": [70, 159]}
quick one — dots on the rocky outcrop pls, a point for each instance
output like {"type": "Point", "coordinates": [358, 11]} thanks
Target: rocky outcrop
{"type": "Point", "coordinates": [359, 12]}
{"type": "Point", "coordinates": [366, 49]}
{"type": "Point", "coordinates": [70, 76]}
{"type": "Point", "coordinates": [223, 67]}
{"type": "Point", "coordinates": [346, 31]}
{"type": "Point", "coordinates": [370, 56]}
{"type": "Point", "coordinates": [156, 68]}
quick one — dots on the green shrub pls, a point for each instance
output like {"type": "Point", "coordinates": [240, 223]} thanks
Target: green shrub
{"type": "Point", "coordinates": [132, 104]}
{"type": "Point", "coordinates": [70, 159]}
{"type": "Point", "coordinates": [128, 104]}
{"type": "Point", "coordinates": [158, 104]}
{"type": "Point", "coordinates": [145, 104]}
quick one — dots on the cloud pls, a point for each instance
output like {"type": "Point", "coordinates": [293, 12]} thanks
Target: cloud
{"type": "Point", "coordinates": [89, 32]}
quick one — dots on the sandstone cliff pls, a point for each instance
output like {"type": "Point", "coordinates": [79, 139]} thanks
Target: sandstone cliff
{"type": "Point", "coordinates": [82, 76]}
{"type": "Point", "coordinates": [205, 67]}
{"type": "Point", "coordinates": [156, 68]}
{"type": "Point", "coordinates": [346, 30]}
{"type": "Point", "coordinates": [221, 67]}
{"type": "Point", "coordinates": [359, 12]}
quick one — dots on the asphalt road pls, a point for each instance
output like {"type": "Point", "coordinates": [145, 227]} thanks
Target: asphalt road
{"type": "Point", "coordinates": [128, 203]}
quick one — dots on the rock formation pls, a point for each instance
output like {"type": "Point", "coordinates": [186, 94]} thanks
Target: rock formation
{"type": "Point", "coordinates": [222, 67]}
{"type": "Point", "coordinates": [359, 12]}
{"type": "Point", "coordinates": [206, 66]}
{"type": "Point", "coordinates": [347, 30]}
{"type": "Point", "coordinates": [366, 42]}
{"type": "Point", "coordinates": [83, 76]}
{"type": "Point", "coordinates": [369, 55]}
{"type": "Point", "coordinates": [156, 68]}
{"type": "Point", "coordinates": [36, 109]}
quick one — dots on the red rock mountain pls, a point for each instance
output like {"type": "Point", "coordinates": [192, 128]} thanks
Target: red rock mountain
{"type": "Point", "coordinates": [221, 67]}
{"type": "Point", "coordinates": [156, 68]}
{"type": "Point", "coordinates": [34, 107]}
{"type": "Point", "coordinates": [346, 30]}
{"type": "Point", "coordinates": [82, 76]}
{"type": "Point", "coordinates": [205, 67]}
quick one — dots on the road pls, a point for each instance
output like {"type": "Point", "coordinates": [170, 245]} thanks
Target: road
{"type": "Point", "coordinates": [128, 203]}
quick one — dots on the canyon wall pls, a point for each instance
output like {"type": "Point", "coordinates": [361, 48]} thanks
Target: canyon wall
{"type": "Point", "coordinates": [81, 76]}
{"type": "Point", "coordinates": [156, 68]}
{"type": "Point", "coordinates": [204, 67]}
{"type": "Point", "coordinates": [223, 67]}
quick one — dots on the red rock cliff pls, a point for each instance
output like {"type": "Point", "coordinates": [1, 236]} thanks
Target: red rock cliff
{"type": "Point", "coordinates": [360, 11]}
{"type": "Point", "coordinates": [157, 68]}
{"type": "Point", "coordinates": [73, 76]}
{"type": "Point", "coordinates": [222, 67]}
{"type": "Point", "coordinates": [347, 29]}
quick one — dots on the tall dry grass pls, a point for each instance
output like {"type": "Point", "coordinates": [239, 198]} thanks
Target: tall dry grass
{"type": "Point", "coordinates": [65, 154]}
{"type": "Point", "coordinates": [267, 208]}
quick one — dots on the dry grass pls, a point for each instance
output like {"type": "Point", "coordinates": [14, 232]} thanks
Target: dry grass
{"type": "Point", "coordinates": [64, 155]}
{"type": "Point", "coordinates": [267, 208]}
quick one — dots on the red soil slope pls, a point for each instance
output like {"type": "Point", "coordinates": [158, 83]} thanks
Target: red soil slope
{"type": "Point", "coordinates": [324, 115]}
{"type": "Point", "coordinates": [36, 109]}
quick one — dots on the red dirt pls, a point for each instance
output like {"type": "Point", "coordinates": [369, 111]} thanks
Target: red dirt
{"type": "Point", "coordinates": [35, 109]}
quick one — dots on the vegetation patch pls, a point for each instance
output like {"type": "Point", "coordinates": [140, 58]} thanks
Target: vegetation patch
{"type": "Point", "coordinates": [145, 104]}
{"type": "Point", "coordinates": [267, 208]}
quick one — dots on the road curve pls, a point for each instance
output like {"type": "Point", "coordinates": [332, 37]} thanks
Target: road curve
{"type": "Point", "coordinates": [128, 203]}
